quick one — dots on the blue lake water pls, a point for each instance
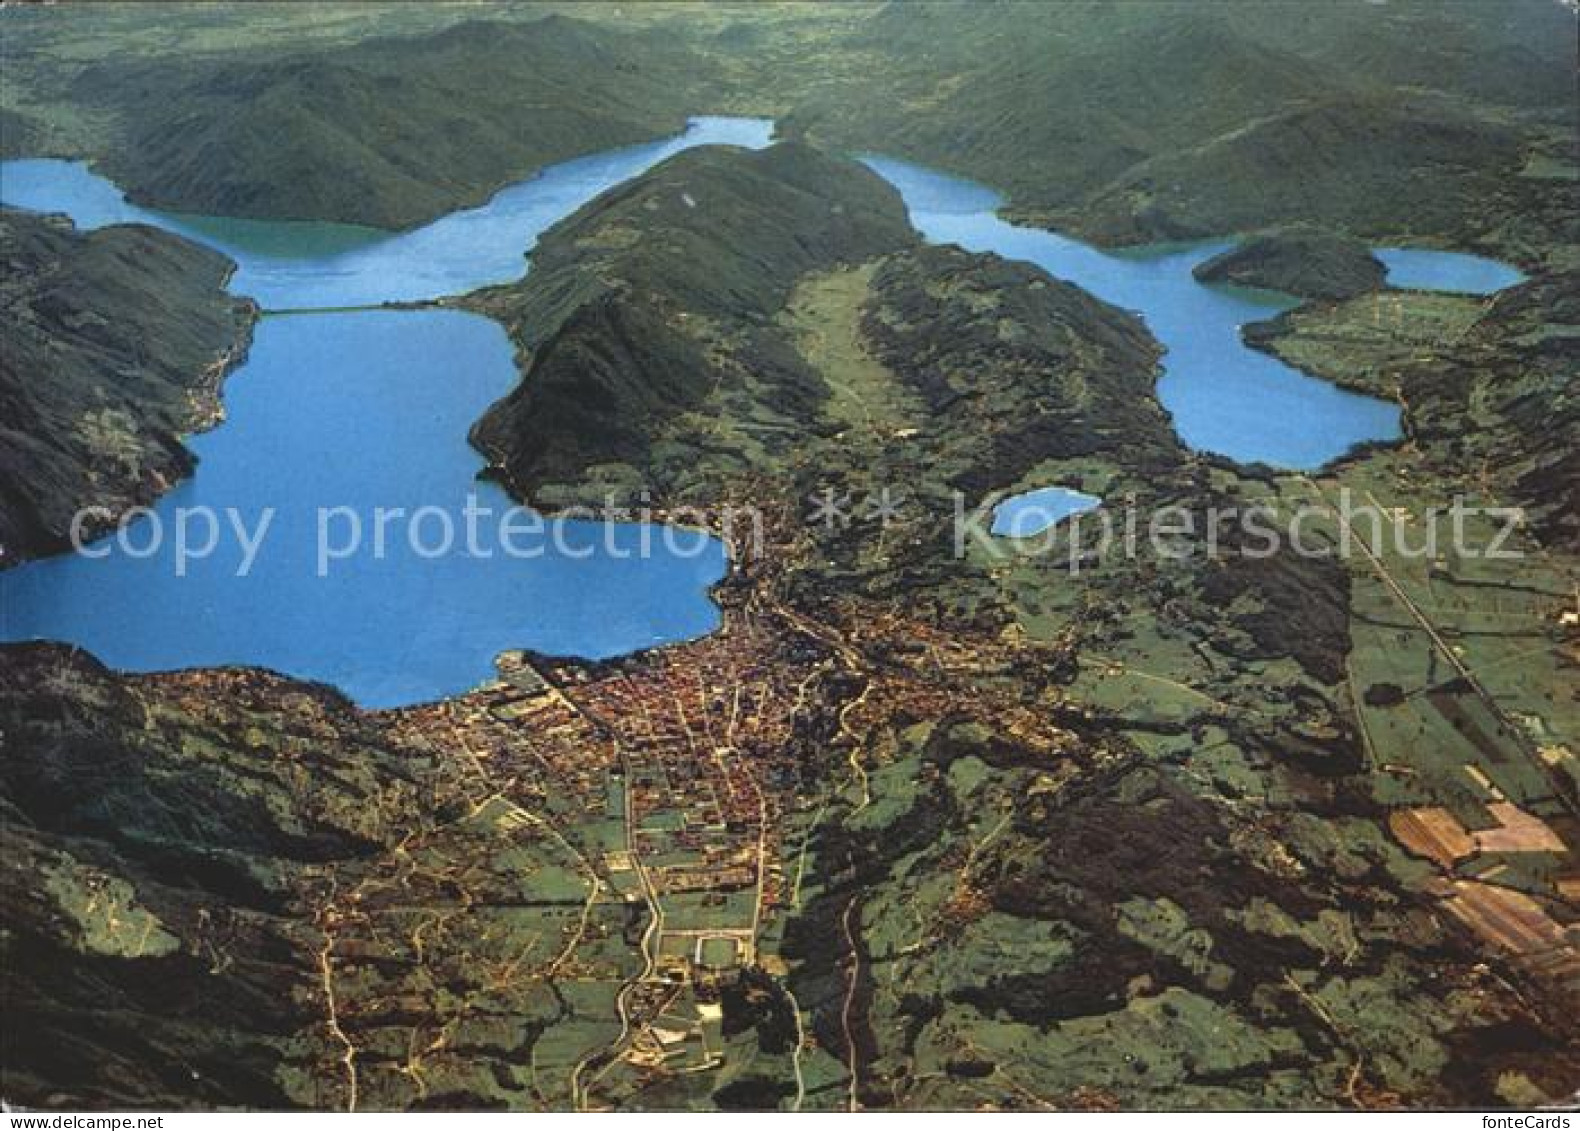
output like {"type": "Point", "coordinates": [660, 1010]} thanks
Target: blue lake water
{"type": "Point", "coordinates": [294, 265]}
{"type": "Point", "coordinates": [1422, 270]}
{"type": "Point", "coordinates": [1223, 397]}
{"type": "Point", "coordinates": [370, 411]}
{"type": "Point", "coordinates": [366, 410]}
{"type": "Point", "coordinates": [1032, 512]}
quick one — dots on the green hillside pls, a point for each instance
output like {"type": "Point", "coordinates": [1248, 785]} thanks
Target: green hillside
{"type": "Point", "coordinates": [1371, 167]}
{"type": "Point", "coordinates": [635, 304]}
{"type": "Point", "coordinates": [387, 131]}
{"type": "Point", "coordinates": [1127, 123]}
{"type": "Point", "coordinates": [1305, 262]}
{"type": "Point", "coordinates": [116, 342]}
{"type": "Point", "coordinates": [1245, 818]}
{"type": "Point", "coordinates": [1487, 386]}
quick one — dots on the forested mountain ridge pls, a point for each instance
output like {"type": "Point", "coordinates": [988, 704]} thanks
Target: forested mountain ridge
{"type": "Point", "coordinates": [116, 342]}
{"type": "Point", "coordinates": [1377, 119]}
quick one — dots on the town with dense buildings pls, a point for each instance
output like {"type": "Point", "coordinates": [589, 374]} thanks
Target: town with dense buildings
{"type": "Point", "coordinates": [881, 814]}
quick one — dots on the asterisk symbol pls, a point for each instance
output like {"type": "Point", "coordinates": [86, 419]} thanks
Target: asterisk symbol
{"type": "Point", "coordinates": [829, 508]}
{"type": "Point", "coordinates": [885, 506]}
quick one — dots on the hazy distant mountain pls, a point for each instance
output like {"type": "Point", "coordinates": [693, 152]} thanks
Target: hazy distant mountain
{"type": "Point", "coordinates": [1131, 122]}
{"type": "Point", "coordinates": [1120, 120]}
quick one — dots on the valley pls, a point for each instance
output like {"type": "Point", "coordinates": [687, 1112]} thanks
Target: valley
{"type": "Point", "coordinates": [884, 815]}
